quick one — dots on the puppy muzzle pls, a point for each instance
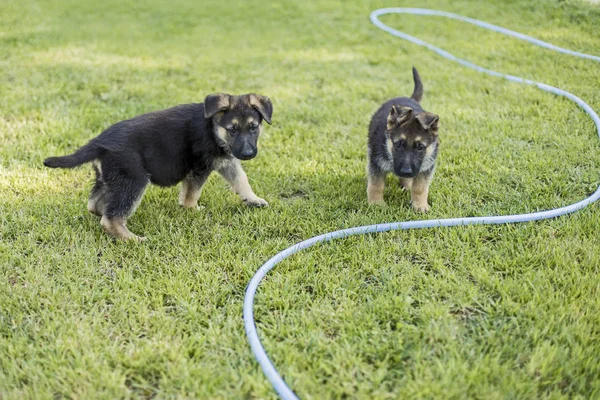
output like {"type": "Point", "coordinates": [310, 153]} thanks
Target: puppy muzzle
{"type": "Point", "coordinates": [246, 153]}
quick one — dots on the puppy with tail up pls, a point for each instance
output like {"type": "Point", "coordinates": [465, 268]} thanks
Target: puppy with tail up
{"type": "Point", "coordinates": [403, 139]}
{"type": "Point", "coordinates": [183, 144]}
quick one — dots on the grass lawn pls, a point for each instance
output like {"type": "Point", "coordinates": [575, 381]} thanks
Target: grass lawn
{"type": "Point", "coordinates": [480, 312]}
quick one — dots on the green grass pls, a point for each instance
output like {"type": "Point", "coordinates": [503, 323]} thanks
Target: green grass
{"type": "Point", "coordinates": [479, 312]}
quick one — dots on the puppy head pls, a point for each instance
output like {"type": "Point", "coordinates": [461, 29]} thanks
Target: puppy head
{"type": "Point", "coordinates": [411, 138]}
{"type": "Point", "coordinates": [237, 121]}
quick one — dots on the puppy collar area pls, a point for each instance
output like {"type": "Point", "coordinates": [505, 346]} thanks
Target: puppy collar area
{"type": "Point", "coordinates": [250, 326]}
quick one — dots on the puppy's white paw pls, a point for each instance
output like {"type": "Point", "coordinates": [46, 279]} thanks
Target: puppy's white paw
{"type": "Point", "coordinates": [256, 202]}
{"type": "Point", "coordinates": [421, 207]}
{"type": "Point", "coordinates": [191, 205]}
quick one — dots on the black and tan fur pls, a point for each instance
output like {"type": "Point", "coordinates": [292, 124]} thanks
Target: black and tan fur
{"type": "Point", "coordinates": [403, 139]}
{"type": "Point", "coordinates": [180, 144]}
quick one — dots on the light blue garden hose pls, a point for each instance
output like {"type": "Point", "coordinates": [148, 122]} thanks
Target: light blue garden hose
{"type": "Point", "coordinates": [259, 352]}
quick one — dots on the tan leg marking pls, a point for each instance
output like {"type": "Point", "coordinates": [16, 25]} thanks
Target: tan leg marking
{"type": "Point", "coordinates": [419, 193]}
{"type": "Point", "coordinates": [95, 203]}
{"type": "Point", "coordinates": [117, 227]}
{"type": "Point", "coordinates": [190, 193]}
{"type": "Point", "coordinates": [98, 164]}
{"type": "Point", "coordinates": [92, 206]}
{"type": "Point", "coordinates": [406, 183]}
{"type": "Point", "coordinates": [233, 173]}
{"type": "Point", "coordinates": [375, 187]}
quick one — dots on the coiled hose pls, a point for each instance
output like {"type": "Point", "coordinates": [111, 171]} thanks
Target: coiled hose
{"type": "Point", "coordinates": [259, 352]}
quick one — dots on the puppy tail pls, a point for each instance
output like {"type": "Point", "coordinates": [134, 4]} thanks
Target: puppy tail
{"type": "Point", "coordinates": [85, 154]}
{"type": "Point", "coordinates": [418, 92]}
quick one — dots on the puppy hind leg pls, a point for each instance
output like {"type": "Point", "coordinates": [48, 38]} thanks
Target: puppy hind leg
{"type": "Point", "coordinates": [96, 201]}
{"type": "Point", "coordinates": [117, 227]}
{"type": "Point", "coordinates": [123, 197]}
{"type": "Point", "coordinates": [375, 187]}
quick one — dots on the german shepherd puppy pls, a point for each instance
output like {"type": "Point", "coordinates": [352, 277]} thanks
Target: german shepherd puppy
{"type": "Point", "coordinates": [403, 139]}
{"type": "Point", "coordinates": [180, 144]}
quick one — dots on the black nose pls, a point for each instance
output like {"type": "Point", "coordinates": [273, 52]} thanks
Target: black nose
{"type": "Point", "coordinates": [405, 171]}
{"type": "Point", "coordinates": [248, 153]}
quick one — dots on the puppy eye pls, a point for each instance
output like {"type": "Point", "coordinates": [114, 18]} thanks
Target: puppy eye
{"type": "Point", "coordinates": [419, 146]}
{"type": "Point", "coordinates": [253, 127]}
{"type": "Point", "coordinates": [231, 129]}
{"type": "Point", "coordinates": [399, 144]}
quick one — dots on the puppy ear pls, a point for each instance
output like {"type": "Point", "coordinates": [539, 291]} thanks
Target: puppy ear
{"type": "Point", "coordinates": [428, 121]}
{"type": "Point", "coordinates": [263, 105]}
{"type": "Point", "coordinates": [215, 103]}
{"type": "Point", "coordinates": [397, 116]}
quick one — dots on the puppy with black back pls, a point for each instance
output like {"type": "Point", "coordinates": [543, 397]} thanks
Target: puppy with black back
{"type": "Point", "coordinates": [180, 144]}
{"type": "Point", "coordinates": [403, 139]}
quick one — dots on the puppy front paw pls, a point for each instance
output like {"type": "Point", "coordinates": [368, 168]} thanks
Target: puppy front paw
{"type": "Point", "coordinates": [186, 203]}
{"type": "Point", "coordinates": [421, 207]}
{"type": "Point", "coordinates": [196, 207]}
{"type": "Point", "coordinates": [255, 202]}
